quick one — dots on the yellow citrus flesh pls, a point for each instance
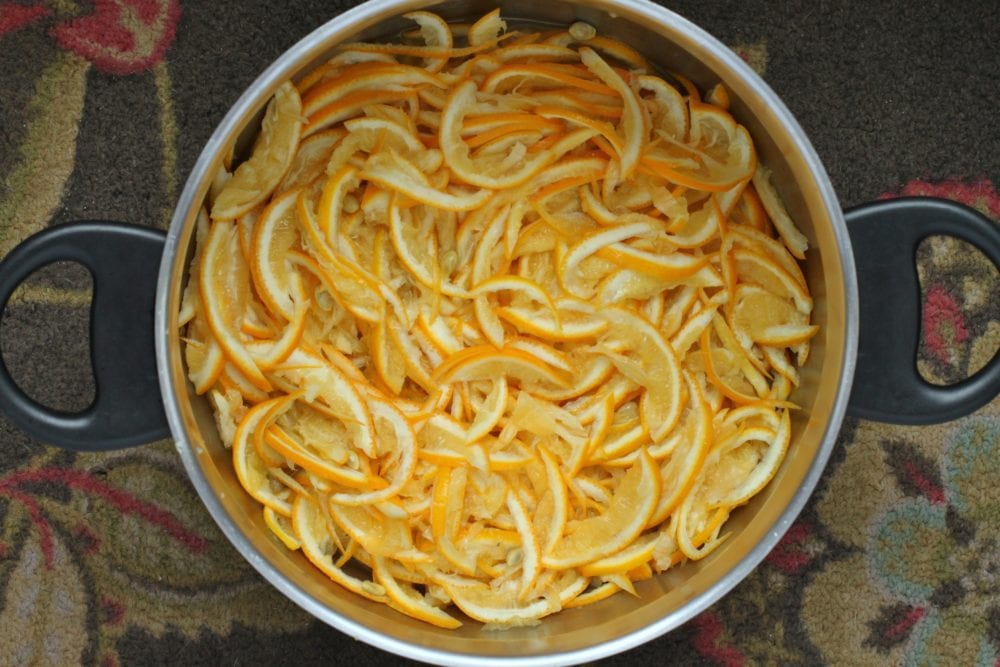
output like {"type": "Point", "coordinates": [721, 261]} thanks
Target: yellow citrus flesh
{"type": "Point", "coordinates": [498, 323]}
{"type": "Point", "coordinates": [255, 180]}
{"type": "Point", "coordinates": [251, 469]}
{"type": "Point", "coordinates": [410, 601]}
{"type": "Point", "coordinates": [499, 607]}
{"type": "Point", "coordinates": [274, 235]}
{"type": "Point", "coordinates": [625, 517]}
{"type": "Point", "coordinates": [629, 558]}
{"type": "Point", "coordinates": [312, 527]}
{"type": "Point", "coordinates": [223, 281]}
{"type": "Point", "coordinates": [282, 528]}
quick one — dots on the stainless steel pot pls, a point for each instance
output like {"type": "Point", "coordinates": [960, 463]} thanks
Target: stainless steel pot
{"type": "Point", "coordinates": [140, 395]}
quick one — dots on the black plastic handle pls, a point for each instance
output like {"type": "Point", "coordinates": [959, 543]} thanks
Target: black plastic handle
{"type": "Point", "coordinates": [887, 385]}
{"type": "Point", "coordinates": [124, 261]}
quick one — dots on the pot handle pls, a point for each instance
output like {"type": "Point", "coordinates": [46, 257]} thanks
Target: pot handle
{"type": "Point", "coordinates": [123, 261]}
{"type": "Point", "coordinates": [887, 385]}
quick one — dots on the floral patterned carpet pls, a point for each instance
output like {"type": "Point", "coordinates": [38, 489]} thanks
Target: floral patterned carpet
{"type": "Point", "coordinates": [110, 559]}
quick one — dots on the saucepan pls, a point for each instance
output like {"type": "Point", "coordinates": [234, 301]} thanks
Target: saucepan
{"type": "Point", "coordinates": [860, 269]}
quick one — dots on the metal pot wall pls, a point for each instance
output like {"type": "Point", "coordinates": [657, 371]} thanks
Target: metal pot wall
{"type": "Point", "coordinates": [142, 396]}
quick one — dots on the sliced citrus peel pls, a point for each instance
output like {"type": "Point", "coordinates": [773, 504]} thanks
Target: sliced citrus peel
{"type": "Point", "coordinates": [511, 329]}
{"type": "Point", "coordinates": [255, 180]}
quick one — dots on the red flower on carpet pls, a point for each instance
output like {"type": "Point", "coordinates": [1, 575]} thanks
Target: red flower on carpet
{"type": "Point", "coordinates": [122, 36]}
{"type": "Point", "coordinates": [943, 324]}
{"type": "Point", "coordinates": [710, 641]}
{"type": "Point", "coordinates": [17, 484]}
{"type": "Point", "coordinates": [118, 37]}
{"type": "Point", "coordinates": [112, 612]}
{"type": "Point", "coordinates": [791, 554]}
{"type": "Point", "coordinates": [14, 16]}
{"type": "Point", "coordinates": [981, 194]}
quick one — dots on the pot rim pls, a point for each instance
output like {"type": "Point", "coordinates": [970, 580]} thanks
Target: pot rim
{"type": "Point", "coordinates": [172, 273]}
